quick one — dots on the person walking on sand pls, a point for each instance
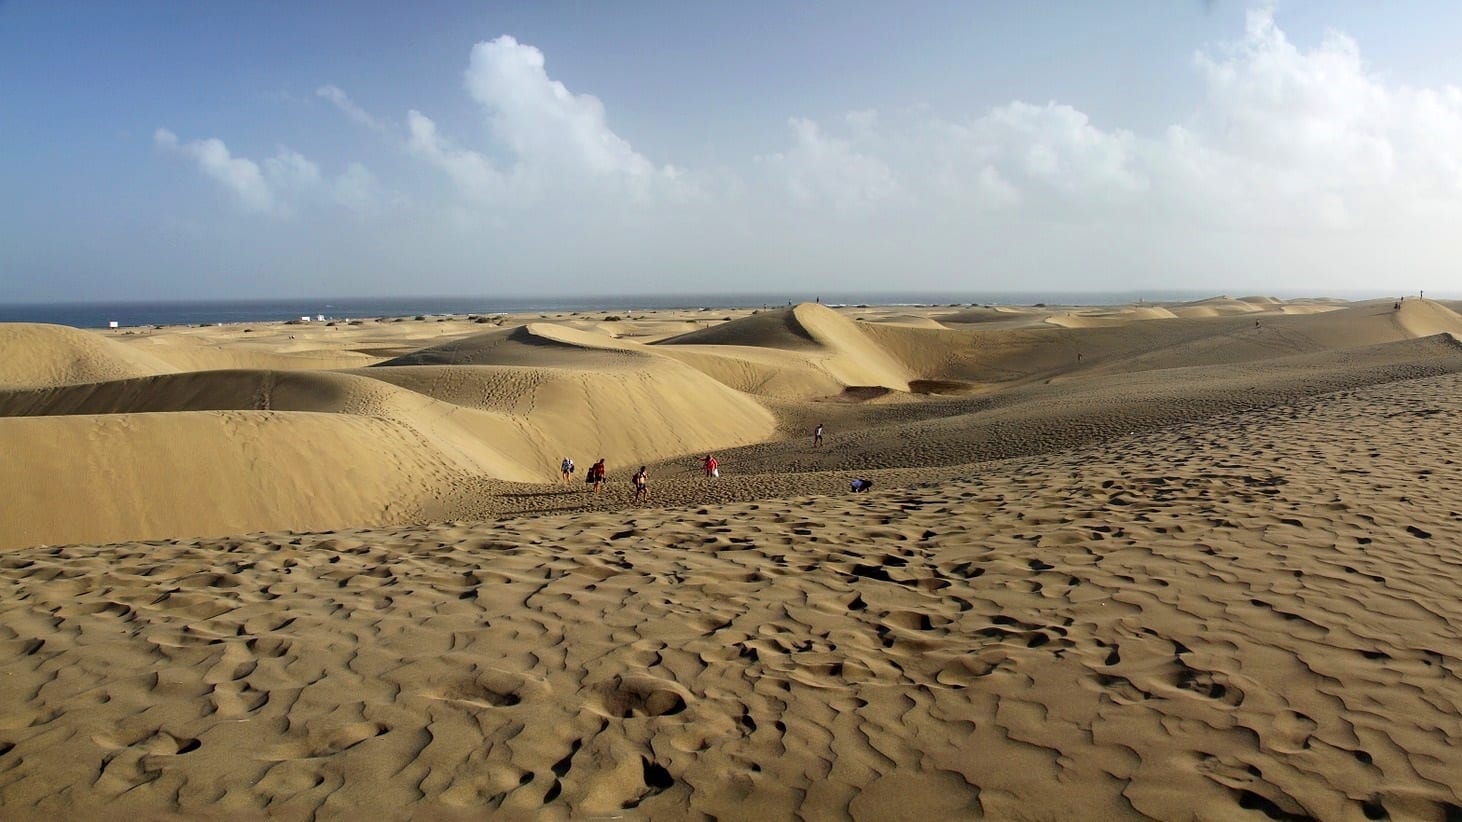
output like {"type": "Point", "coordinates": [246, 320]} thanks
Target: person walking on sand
{"type": "Point", "coordinates": [712, 467]}
{"type": "Point", "coordinates": [817, 435]}
{"type": "Point", "coordinates": [596, 475]}
{"type": "Point", "coordinates": [641, 481]}
{"type": "Point", "coordinates": [567, 467]}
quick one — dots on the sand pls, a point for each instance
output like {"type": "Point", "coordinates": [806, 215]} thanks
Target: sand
{"type": "Point", "coordinates": [1207, 570]}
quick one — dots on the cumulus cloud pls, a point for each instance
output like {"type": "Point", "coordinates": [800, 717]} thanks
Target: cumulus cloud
{"type": "Point", "coordinates": [239, 175]}
{"type": "Point", "coordinates": [539, 119]}
{"type": "Point", "coordinates": [1015, 154]}
{"type": "Point", "coordinates": [552, 141]}
{"type": "Point", "coordinates": [471, 171]}
{"type": "Point", "coordinates": [1283, 137]}
{"type": "Point", "coordinates": [821, 169]}
{"type": "Point", "coordinates": [291, 171]}
{"type": "Point", "coordinates": [283, 182]}
{"type": "Point", "coordinates": [1311, 134]}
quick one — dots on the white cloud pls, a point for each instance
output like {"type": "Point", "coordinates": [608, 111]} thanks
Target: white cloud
{"type": "Point", "coordinates": [1289, 136]}
{"type": "Point", "coordinates": [286, 181]}
{"type": "Point", "coordinates": [1286, 144]}
{"type": "Point", "coordinates": [291, 171]}
{"type": "Point", "coordinates": [820, 169]}
{"type": "Point", "coordinates": [1057, 146]}
{"type": "Point", "coordinates": [472, 172]}
{"type": "Point", "coordinates": [239, 175]}
{"type": "Point", "coordinates": [554, 143]}
{"type": "Point", "coordinates": [1283, 138]}
{"type": "Point", "coordinates": [1044, 156]}
{"type": "Point", "coordinates": [539, 119]}
{"type": "Point", "coordinates": [342, 101]}
{"type": "Point", "coordinates": [358, 190]}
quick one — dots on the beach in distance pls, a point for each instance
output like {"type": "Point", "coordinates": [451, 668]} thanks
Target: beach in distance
{"type": "Point", "coordinates": [1190, 559]}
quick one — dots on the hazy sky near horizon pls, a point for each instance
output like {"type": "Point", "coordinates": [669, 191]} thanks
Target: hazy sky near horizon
{"type": "Point", "coordinates": [209, 150]}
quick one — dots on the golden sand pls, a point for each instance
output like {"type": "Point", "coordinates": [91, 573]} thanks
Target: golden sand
{"type": "Point", "coordinates": [1206, 569]}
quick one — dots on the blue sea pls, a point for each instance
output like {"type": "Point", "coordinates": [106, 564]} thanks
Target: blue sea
{"type": "Point", "coordinates": [131, 314]}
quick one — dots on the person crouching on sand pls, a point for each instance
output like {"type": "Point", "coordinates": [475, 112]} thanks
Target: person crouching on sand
{"type": "Point", "coordinates": [860, 485]}
{"type": "Point", "coordinates": [641, 481]}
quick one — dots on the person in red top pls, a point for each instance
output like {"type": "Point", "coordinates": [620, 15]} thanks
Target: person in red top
{"type": "Point", "coordinates": [596, 474]}
{"type": "Point", "coordinates": [711, 466]}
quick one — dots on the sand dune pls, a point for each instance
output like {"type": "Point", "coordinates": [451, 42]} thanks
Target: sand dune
{"type": "Point", "coordinates": [537, 344]}
{"type": "Point", "coordinates": [36, 355]}
{"type": "Point", "coordinates": [503, 405]}
{"type": "Point", "coordinates": [829, 342]}
{"type": "Point", "coordinates": [517, 424]}
{"type": "Point", "coordinates": [1096, 318]}
{"type": "Point", "coordinates": [1247, 617]}
{"type": "Point", "coordinates": [1159, 561]}
{"type": "Point", "coordinates": [89, 478]}
{"type": "Point", "coordinates": [1216, 307]}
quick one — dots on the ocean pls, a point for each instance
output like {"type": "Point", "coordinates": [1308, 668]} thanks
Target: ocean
{"type": "Point", "coordinates": [132, 314]}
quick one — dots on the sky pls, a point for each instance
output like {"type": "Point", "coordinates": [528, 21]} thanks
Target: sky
{"type": "Point", "coordinates": [176, 150]}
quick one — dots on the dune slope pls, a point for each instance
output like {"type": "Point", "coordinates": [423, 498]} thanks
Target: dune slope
{"type": "Point", "coordinates": [827, 347]}
{"type": "Point", "coordinates": [37, 355]}
{"type": "Point", "coordinates": [151, 476]}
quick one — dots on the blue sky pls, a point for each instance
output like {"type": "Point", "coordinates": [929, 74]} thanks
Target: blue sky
{"type": "Point", "coordinates": [153, 150]}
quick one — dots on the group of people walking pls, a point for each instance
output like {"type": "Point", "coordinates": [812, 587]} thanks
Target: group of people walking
{"type": "Point", "coordinates": [594, 478]}
{"type": "Point", "coordinates": [640, 480]}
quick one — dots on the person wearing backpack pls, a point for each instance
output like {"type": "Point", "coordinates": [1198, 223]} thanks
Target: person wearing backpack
{"type": "Point", "coordinates": [567, 466]}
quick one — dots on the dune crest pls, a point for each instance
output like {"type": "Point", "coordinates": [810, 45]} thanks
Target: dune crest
{"type": "Point", "coordinates": [829, 349]}
{"type": "Point", "coordinates": [38, 355]}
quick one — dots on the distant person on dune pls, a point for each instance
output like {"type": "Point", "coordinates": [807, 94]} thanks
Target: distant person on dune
{"type": "Point", "coordinates": [860, 485]}
{"type": "Point", "coordinates": [712, 467]}
{"type": "Point", "coordinates": [567, 466]}
{"type": "Point", "coordinates": [641, 481]}
{"type": "Point", "coordinates": [817, 435]}
{"type": "Point", "coordinates": [596, 475]}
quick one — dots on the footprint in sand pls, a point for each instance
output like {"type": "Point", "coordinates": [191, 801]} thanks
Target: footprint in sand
{"type": "Point", "coordinates": [489, 689]}
{"type": "Point", "coordinates": [325, 742]}
{"type": "Point", "coordinates": [624, 697]}
{"type": "Point", "coordinates": [158, 742]}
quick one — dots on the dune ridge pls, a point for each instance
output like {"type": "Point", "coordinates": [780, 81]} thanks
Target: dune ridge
{"type": "Point", "coordinates": [496, 408]}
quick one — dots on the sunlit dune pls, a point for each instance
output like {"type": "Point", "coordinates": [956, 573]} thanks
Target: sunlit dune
{"type": "Point", "coordinates": [1178, 560]}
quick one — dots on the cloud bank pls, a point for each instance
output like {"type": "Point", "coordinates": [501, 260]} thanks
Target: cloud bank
{"type": "Point", "coordinates": [1285, 141]}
